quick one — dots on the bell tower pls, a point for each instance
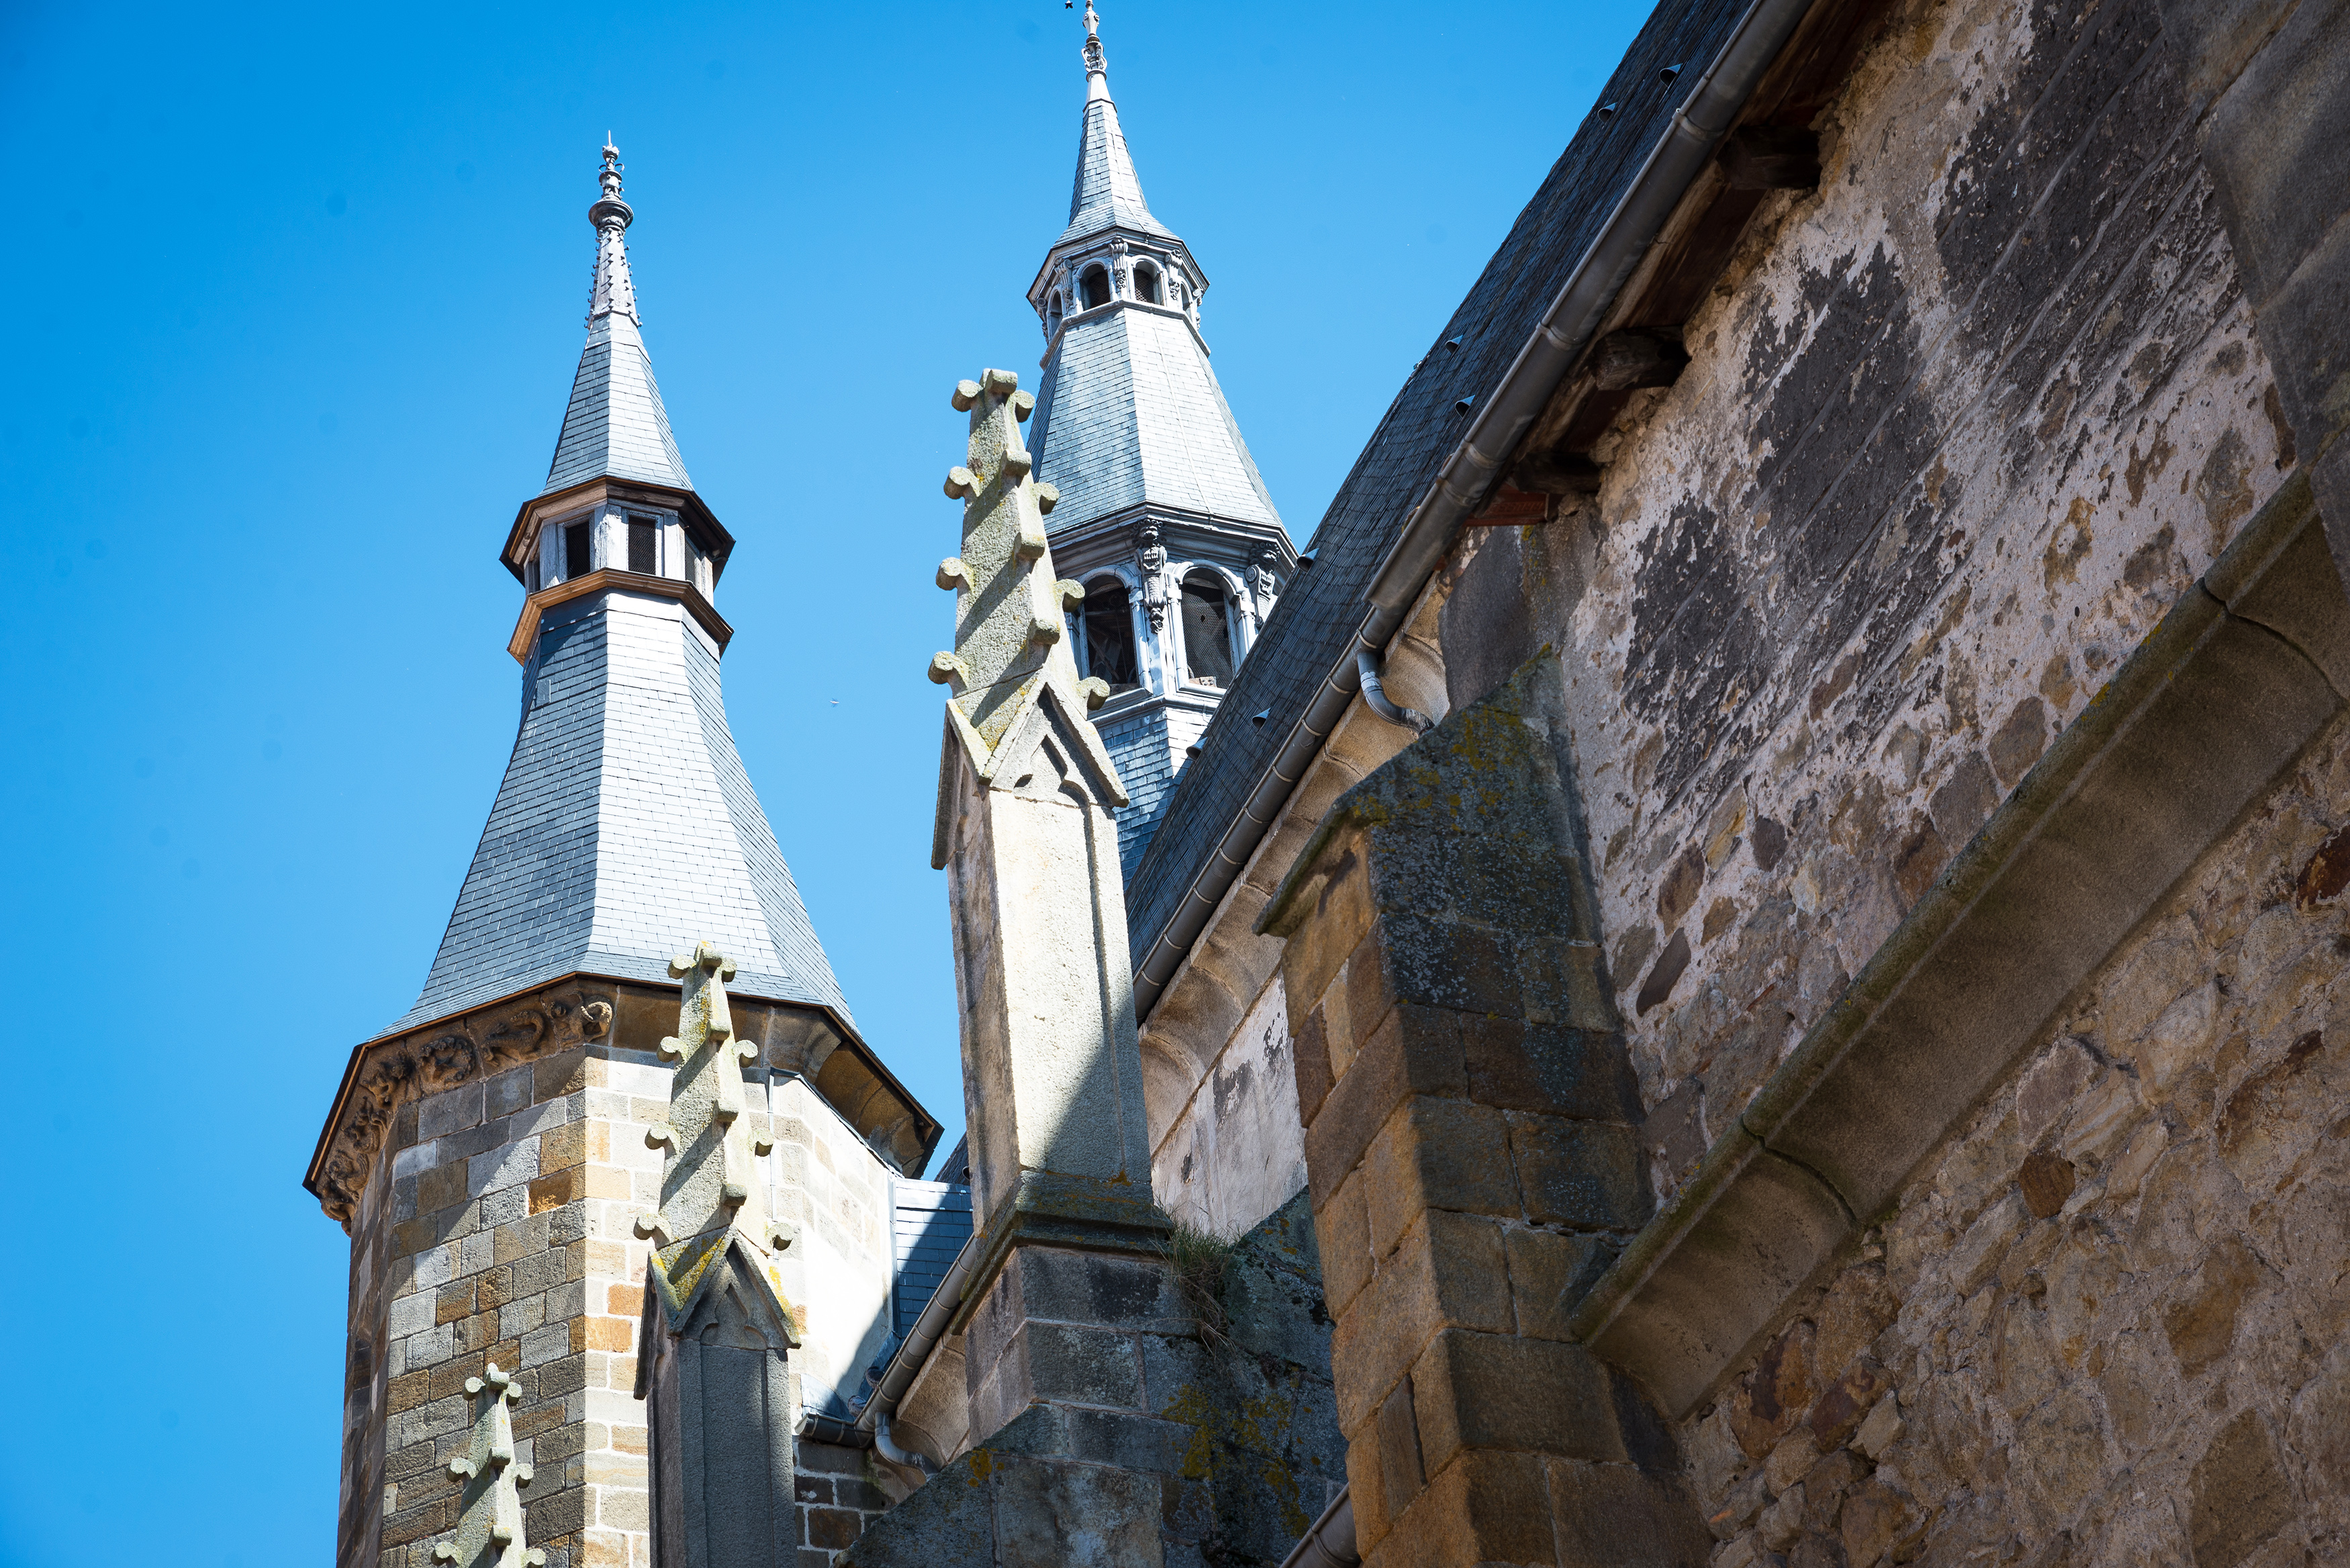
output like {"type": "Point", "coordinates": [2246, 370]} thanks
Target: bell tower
{"type": "Point", "coordinates": [1162, 517]}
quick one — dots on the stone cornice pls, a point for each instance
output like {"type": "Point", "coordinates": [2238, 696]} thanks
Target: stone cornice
{"type": "Point", "coordinates": [387, 1073]}
{"type": "Point", "coordinates": [525, 630]}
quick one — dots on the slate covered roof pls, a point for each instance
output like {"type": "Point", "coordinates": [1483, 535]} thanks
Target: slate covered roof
{"type": "Point", "coordinates": [1321, 610]}
{"type": "Point", "coordinates": [1130, 411]}
{"type": "Point", "coordinates": [615, 426]}
{"type": "Point", "coordinates": [1108, 193]}
{"type": "Point", "coordinates": [625, 829]}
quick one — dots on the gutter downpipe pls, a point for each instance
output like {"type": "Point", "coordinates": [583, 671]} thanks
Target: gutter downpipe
{"type": "Point", "coordinates": [872, 1423]}
{"type": "Point", "coordinates": [1329, 1542]}
{"type": "Point", "coordinates": [1503, 419]}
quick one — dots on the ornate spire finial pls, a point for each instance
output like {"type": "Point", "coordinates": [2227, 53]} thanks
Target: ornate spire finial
{"type": "Point", "coordinates": [1095, 65]}
{"type": "Point", "coordinates": [608, 209]}
{"type": "Point", "coordinates": [613, 292]}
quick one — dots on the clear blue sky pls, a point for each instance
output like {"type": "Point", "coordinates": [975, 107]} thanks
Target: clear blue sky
{"type": "Point", "coordinates": [297, 294]}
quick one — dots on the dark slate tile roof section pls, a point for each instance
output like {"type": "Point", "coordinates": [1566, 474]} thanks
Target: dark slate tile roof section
{"type": "Point", "coordinates": [625, 830]}
{"type": "Point", "coordinates": [929, 1222]}
{"type": "Point", "coordinates": [1311, 627]}
{"type": "Point", "coordinates": [1130, 412]}
{"type": "Point", "coordinates": [1106, 193]}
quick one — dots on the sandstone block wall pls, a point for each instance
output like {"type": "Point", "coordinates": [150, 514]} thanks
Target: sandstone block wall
{"type": "Point", "coordinates": [1148, 1428]}
{"type": "Point", "coordinates": [1473, 1153]}
{"type": "Point", "coordinates": [501, 1227]}
{"type": "Point", "coordinates": [1957, 429]}
{"type": "Point", "coordinates": [2105, 1324]}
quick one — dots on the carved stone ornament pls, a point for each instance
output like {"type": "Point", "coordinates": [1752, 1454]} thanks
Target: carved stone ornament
{"type": "Point", "coordinates": [442, 1056]}
{"type": "Point", "coordinates": [1264, 581]}
{"type": "Point", "coordinates": [489, 1518]}
{"type": "Point", "coordinates": [1150, 563]}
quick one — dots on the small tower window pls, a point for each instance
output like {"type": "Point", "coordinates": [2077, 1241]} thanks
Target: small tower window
{"type": "Point", "coordinates": [1146, 284]}
{"type": "Point", "coordinates": [530, 576]}
{"type": "Point", "coordinates": [1053, 314]}
{"type": "Point", "coordinates": [642, 555]}
{"type": "Point", "coordinates": [1106, 633]}
{"type": "Point", "coordinates": [1093, 287]}
{"type": "Point", "coordinates": [1206, 629]}
{"type": "Point", "coordinates": [576, 551]}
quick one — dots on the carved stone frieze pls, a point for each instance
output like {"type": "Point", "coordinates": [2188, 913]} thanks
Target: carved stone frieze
{"type": "Point", "coordinates": [441, 1056]}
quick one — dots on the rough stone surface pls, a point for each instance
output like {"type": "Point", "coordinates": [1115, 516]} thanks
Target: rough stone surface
{"type": "Point", "coordinates": [1958, 428]}
{"type": "Point", "coordinates": [2150, 1370]}
{"type": "Point", "coordinates": [1132, 1423]}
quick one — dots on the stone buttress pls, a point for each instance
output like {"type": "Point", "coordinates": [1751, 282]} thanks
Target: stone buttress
{"type": "Point", "coordinates": [1099, 1415]}
{"type": "Point", "coordinates": [1471, 1152]}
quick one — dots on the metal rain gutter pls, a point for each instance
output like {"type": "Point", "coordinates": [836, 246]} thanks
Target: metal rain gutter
{"type": "Point", "coordinates": [928, 1330]}
{"type": "Point", "coordinates": [1503, 419]}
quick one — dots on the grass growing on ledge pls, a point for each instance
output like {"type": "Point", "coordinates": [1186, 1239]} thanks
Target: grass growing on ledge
{"type": "Point", "coordinates": [1199, 1261]}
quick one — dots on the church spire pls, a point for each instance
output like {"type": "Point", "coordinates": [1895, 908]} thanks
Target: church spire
{"type": "Point", "coordinates": [1107, 193]}
{"type": "Point", "coordinates": [1162, 515]}
{"type": "Point", "coordinates": [615, 427]}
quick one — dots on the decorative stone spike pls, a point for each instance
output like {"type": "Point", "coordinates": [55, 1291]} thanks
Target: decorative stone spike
{"type": "Point", "coordinates": [710, 1160]}
{"type": "Point", "coordinates": [489, 1519]}
{"type": "Point", "coordinates": [711, 1352]}
{"type": "Point", "coordinates": [1011, 648]}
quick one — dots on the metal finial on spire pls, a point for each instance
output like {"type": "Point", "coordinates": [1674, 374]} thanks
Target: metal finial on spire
{"type": "Point", "coordinates": [608, 209]}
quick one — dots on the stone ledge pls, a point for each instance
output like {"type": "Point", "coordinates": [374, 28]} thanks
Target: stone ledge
{"type": "Point", "coordinates": [2190, 733]}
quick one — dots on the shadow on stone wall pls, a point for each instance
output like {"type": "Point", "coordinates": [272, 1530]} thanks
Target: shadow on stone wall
{"type": "Point", "coordinates": [1233, 1450]}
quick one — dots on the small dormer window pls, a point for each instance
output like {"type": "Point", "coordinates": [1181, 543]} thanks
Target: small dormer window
{"type": "Point", "coordinates": [1092, 287]}
{"type": "Point", "coordinates": [643, 554]}
{"type": "Point", "coordinates": [578, 550]}
{"type": "Point", "coordinates": [1146, 283]}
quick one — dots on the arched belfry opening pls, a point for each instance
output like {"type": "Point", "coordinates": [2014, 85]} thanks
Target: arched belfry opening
{"type": "Point", "coordinates": [1092, 287]}
{"type": "Point", "coordinates": [1105, 634]}
{"type": "Point", "coordinates": [1206, 629]}
{"type": "Point", "coordinates": [1146, 284]}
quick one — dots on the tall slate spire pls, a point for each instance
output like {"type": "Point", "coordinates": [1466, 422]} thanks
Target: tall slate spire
{"type": "Point", "coordinates": [1162, 513]}
{"type": "Point", "coordinates": [625, 826]}
{"type": "Point", "coordinates": [615, 424]}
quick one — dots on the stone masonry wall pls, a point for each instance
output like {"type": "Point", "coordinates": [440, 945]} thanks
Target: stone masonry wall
{"type": "Point", "coordinates": [1958, 428]}
{"type": "Point", "coordinates": [2105, 1324]}
{"type": "Point", "coordinates": [501, 1229]}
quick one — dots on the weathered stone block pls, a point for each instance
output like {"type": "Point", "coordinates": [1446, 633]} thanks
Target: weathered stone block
{"type": "Point", "coordinates": [1555, 1068]}
{"type": "Point", "coordinates": [1486, 1508]}
{"type": "Point", "coordinates": [1415, 1051]}
{"type": "Point", "coordinates": [1499, 1391]}
{"type": "Point", "coordinates": [1090, 1366]}
{"type": "Point", "coordinates": [1549, 1273]}
{"type": "Point", "coordinates": [1585, 1174]}
{"type": "Point", "coordinates": [1331, 920]}
{"type": "Point", "coordinates": [1342, 1228]}
{"type": "Point", "coordinates": [1438, 1154]}
{"type": "Point", "coordinates": [1605, 1513]}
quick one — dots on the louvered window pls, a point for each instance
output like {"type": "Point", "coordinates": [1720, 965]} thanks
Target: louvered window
{"type": "Point", "coordinates": [642, 555]}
